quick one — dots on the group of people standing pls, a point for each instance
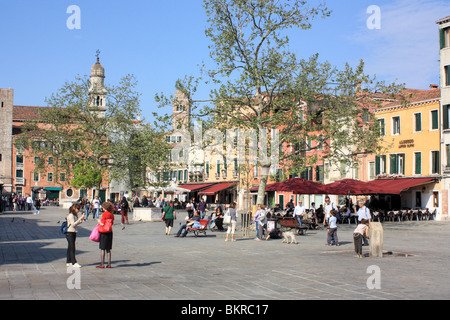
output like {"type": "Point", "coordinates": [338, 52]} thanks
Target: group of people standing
{"type": "Point", "coordinates": [106, 238]}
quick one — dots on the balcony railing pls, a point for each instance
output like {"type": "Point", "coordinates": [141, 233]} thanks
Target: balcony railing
{"type": "Point", "coordinates": [19, 181]}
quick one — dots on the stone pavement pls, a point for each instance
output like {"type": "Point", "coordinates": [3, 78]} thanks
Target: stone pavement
{"type": "Point", "coordinates": [148, 265]}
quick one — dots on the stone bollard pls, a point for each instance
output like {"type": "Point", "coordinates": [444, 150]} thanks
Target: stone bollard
{"type": "Point", "coordinates": [376, 239]}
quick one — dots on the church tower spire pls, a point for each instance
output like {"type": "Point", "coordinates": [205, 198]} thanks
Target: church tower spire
{"type": "Point", "coordinates": [97, 91]}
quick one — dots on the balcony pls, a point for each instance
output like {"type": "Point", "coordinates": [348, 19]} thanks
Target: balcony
{"type": "Point", "coordinates": [19, 181]}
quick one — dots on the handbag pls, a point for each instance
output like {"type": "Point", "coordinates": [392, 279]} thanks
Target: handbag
{"type": "Point", "coordinates": [106, 228]}
{"type": "Point", "coordinates": [95, 235]}
{"type": "Point", "coordinates": [227, 218]}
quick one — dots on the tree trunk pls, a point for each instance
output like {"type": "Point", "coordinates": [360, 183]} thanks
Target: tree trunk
{"type": "Point", "coordinates": [262, 184]}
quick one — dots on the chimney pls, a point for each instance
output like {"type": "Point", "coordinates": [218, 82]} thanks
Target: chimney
{"type": "Point", "coordinates": [434, 86]}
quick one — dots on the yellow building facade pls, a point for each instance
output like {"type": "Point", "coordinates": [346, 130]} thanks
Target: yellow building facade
{"type": "Point", "coordinates": [410, 141]}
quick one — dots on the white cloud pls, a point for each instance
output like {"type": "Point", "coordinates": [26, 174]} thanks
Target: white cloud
{"type": "Point", "coordinates": [407, 46]}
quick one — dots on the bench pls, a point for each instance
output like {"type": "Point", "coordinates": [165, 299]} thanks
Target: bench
{"type": "Point", "coordinates": [197, 231]}
{"type": "Point", "coordinates": [292, 223]}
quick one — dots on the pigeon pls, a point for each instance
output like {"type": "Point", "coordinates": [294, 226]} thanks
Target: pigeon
{"type": "Point", "coordinates": [12, 220]}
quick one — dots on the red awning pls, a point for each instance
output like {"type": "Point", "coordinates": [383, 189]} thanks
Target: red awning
{"type": "Point", "coordinates": [218, 187]}
{"type": "Point", "coordinates": [195, 187]}
{"type": "Point", "coordinates": [297, 186]}
{"type": "Point", "coordinates": [396, 186]}
{"type": "Point", "coordinates": [351, 187]}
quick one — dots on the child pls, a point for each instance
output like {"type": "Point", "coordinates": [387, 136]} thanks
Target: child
{"type": "Point", "coordinates": [332, 228]}
{"type": "Point", "coordinates": [361, 230]}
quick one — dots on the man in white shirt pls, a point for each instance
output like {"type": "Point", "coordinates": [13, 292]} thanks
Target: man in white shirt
{"type": "Point", "coordinates": [299, 211]}
{"type": "Point", "coordinates": [327, 208]}
{"type": "Point", "coordinates": [96, 207]}
{"type": "Point", "coordinates": [363, 213]}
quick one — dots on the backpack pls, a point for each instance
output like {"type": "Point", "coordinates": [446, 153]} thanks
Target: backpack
{"type": "Point", "coordinates": [64, 227]}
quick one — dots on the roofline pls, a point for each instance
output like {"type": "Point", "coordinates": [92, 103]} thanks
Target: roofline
{"type": "Point", "coordinates": [443, 20]}
{"type": "Point", "coordinates": [408, 105]}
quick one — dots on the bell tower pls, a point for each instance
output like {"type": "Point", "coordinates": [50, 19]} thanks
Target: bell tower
{"type": "Point", "coordinates": [6, 119]}
{"type": "Point", "coordinates": [97, 91]}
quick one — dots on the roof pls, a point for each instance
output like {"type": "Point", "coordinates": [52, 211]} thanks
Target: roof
{"type": "Point", "coordinates": [443, 20]}
{"type": "Point", "coordinates": [25, 113]}
{"type": "Point", "coordinates": [412, 96]}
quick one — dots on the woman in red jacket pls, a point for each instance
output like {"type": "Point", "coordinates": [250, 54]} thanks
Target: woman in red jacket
{"type": "Point", "coordinates": [106, 235]}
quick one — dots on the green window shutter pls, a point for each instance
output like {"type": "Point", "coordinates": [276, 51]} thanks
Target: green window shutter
{"type": "Point", "coordinates": [442, 38]}
{"type": "Point", "coordinates": [418, 117]}
{"type": "Point", "coordinates": [445, 116]}
{"type": "Point", "coordinates": [377, 165]}
{"type": "Point", "coordinates": [393, 161]}
{"type": "Point", "coordinates": [434, 120]}
{"type": "Point", "coordinates": [418, 169]}
{"type": "Point", "coordinates": [447, 75]}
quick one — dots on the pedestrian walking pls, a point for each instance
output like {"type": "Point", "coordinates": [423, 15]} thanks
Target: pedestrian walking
{"type": "Point", "coordinates": [168, 216]}
{"type": "Point", "coordinates": [106, 234]}
{"type": "Point", "coordinates": [95, 208]}
{"type": "Point", "coordinates": [87, 208]}
{"type": "Point", "coordinates": [358, 234]}
{"type": "Point", "coordinates": [71, 235]}
{"type": "Point", "coordinates": [37, 206]}
{"type": "Point", "coordinates": [124, 208]}
{"type": "Point", "coordinates": [260, 220]}
{"type": "Point", "coordinates": [232, 226]}
{"type": "Point", "coordinates": [202, 209]}
{"type": "Point", "coordinates": [332, 229]}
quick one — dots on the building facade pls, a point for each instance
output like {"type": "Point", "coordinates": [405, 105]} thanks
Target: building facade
{"type": "Point", "coordinates": [18, 171]}
{"type": "Point", "coordinates": [444, 71]}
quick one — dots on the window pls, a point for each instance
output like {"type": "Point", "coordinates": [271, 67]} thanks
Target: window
{"type": "Point", "coordinates": [19, 173]}
{"type": "Point", "coordinates": [372, 170]}
{"type": "Point", "coordinates": [397, 163]}
{"type": "Point", "coordinates": [417, 163]}
{"type": "Point", "coordinates": [218, 166]}
{"type": "Point", "coordinates": [447, 153]}
{"type": "Point", "coordinates": [207, 168]}
{"type": "Point", "coordinates": [434, 120]}
{"type": "Point", "coordinates": [62, 177]}
{"type": "Point", "coordinates": [380, 165]}
{"type": "Point", "coordinates": [435, 199]}
{"type": "Point", "coordinates": [185, 175]}
{"type": "Point", "coordinates": [69, 193]}
{"type": "Point", "coordinates": [447, 76]}
{"type": "Point", "coordinates": [435, 162]}
{"type": "Point", "coordinates": [444, 35]}
{"type": "Point", "coordinates": [319, 173]}
{"type": "Point", "coordinates": [50, 177]}
{"type": "Point", "coordinates": [417, 122]}
{"type": "Point", "coordinates": [0, 157]}
{"type": "Point", "coordinates": [395, 125]}
{"type": "Point", "coordinates": [382, 127]}
{"type": "Point", "coordinates": [445, 116]}
{"type": "Point", "coordinates": [35, 176]}
{"type": "Point", "coordinates": [50, 160]}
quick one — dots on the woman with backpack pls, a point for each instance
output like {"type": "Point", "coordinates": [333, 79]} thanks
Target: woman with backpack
{"type": "Point", "coordinates": [71, 235]}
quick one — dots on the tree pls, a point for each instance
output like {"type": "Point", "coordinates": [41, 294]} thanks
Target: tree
{"type": "Point", "coordinates": [260, 85]}
{"type": "Point", "coordinates": [89, 144]}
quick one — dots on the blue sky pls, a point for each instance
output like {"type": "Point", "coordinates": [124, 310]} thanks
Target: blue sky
{"type": "Point", "coordinates": [161, 41]}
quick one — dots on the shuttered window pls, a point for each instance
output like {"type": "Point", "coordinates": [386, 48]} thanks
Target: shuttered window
{"type": "Point", "coordinates": [418, 162]}
{"type": "Point", "coordinates": [434, 120]}
{"type": "Point", "coordinates": [417, 122]}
